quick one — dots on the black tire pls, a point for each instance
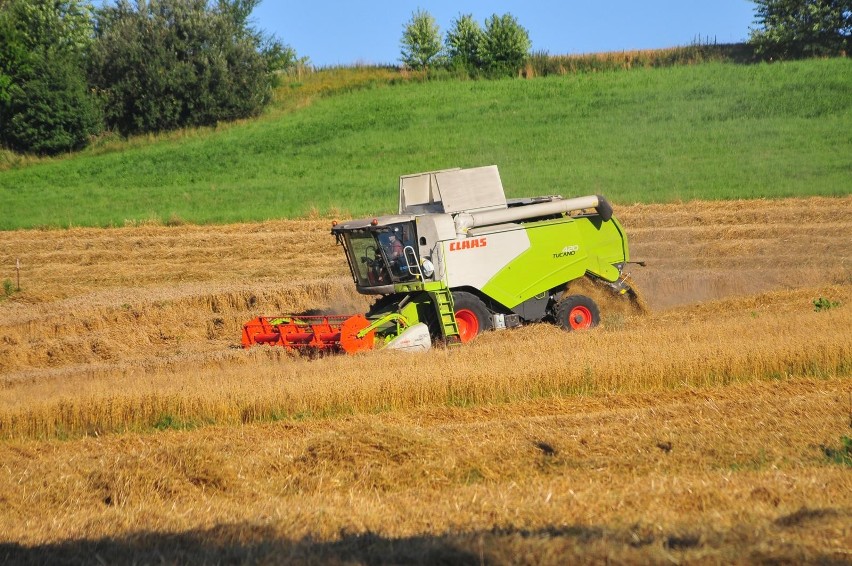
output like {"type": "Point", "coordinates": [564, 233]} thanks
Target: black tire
{"type": "Point", "coordinates": [472, 316]}
{"type": "Point", "coordinates": [577, 312]}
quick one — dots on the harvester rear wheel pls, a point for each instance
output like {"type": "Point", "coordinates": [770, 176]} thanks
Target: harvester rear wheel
{"type": "Point", "coordinates": [577, 312]}
{"type": "Point", "coordinates": [471, 316]}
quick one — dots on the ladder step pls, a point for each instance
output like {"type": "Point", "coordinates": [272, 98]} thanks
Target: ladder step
{"type": "Point", "coordinates": [444, 302]}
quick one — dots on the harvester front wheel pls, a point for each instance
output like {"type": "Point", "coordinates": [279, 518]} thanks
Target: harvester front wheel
{"type": "Point", "coordinates": [577, 312]}
{"type": "Point", "coordinates": [471, 316]}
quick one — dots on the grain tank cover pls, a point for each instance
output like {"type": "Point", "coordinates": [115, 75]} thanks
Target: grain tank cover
{"type": "Point", "coordinates": [451, 191]}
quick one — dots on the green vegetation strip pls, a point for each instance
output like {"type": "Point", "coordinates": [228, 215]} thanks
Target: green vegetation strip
{"type": "Point", "coordinates": [713, 131]}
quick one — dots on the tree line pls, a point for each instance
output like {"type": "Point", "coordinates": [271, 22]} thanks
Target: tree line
{"type": "Point", "coordinates": [499, 48]}
{"type": "Point", "coordinates": [785, 29]}
{"type": "Point", "coordinates": [69, 71]}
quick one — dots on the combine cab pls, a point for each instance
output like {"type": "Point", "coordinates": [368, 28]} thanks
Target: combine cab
{"type": "Point", "coordinates": [459, 259]}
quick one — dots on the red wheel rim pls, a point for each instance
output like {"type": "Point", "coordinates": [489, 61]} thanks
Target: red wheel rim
{"type": "Point", "coordinates": [580, 318]}
{"type": "Point", "coordinates": [468, 325]}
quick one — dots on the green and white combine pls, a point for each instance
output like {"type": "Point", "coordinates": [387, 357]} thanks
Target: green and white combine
{"type": "Point", "coordinates": [459, 259]}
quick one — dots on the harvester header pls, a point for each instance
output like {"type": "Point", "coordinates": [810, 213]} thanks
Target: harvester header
{"type": "Point", "coordinates": [458, 259]}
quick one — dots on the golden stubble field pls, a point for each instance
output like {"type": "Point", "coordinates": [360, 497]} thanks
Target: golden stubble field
{"type": "Point", "coordinates": [710, 429]}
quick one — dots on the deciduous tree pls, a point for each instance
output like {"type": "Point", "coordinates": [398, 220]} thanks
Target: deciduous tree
{"type": "Point", "coordinates": [802, 28]}
{"type": "Point", "coordinates": [166, 64]}
{"type": "Point", "coordinates": [505, 45]}
{"type": "Point", "coordinates": [463, 43]}
{"type": "Point", "coordinates": [421, 41]}
{"type": "Point", "coordinates": [45, 105]}
{"type": "Point", "coordinates": [51, 111]}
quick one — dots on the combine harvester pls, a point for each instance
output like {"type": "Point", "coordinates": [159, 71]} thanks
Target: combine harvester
{"type": "Point", "coordinates": [460, 259]}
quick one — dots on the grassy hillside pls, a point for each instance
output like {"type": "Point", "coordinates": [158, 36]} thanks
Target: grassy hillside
{"type": "Point", "coordinates": [651, 135]}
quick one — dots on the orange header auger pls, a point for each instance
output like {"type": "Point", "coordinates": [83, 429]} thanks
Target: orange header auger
{"type": "Point", "coordinates": [318, 333]}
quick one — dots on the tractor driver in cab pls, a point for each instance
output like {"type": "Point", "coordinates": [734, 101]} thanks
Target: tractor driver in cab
{"type": "Point", "coordinates": [395, 252]}
{"type": "Point", "coordinates": [394, 246]}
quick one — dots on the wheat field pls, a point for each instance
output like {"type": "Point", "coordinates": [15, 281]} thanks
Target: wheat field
{"type": "Point", "coordinates": [708, 429]}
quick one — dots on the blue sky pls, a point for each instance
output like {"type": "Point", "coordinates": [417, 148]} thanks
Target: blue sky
{"type": "Point", "coordinates": [345, 33]}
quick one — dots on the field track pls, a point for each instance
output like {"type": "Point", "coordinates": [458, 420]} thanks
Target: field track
{"type": "Point", "coordinates": [710, 428]}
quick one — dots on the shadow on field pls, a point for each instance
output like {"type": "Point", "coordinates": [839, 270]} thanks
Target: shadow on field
{"type": "Point", "coordinates": [243, 543]}
{"type": "Point", "coordinates": [253, 544]}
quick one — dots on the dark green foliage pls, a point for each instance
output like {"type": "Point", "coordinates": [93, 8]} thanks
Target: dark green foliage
{"type": "Point", "coordinates": [421, 41]}
{"type": "Point", "coordinates": [156, 65]}
{"type": "Point", "coordinates": [13, 53]}
{"type": "Point", "coordinates": [168, 64]}
{"type": "Point", "coordinates": [802, 28]}
{"type": "Point", "coordinates": [45, 105]}
{"type": "Point", "coordinates": [51, 111]}
{"type": "Point", "coordinates": [505, 45]}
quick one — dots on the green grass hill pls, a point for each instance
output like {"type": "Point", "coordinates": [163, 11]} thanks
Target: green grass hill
{"type": "Point", "coordinates": [710, 131]}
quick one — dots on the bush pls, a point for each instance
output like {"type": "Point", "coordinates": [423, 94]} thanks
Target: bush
{"type": "Point", "coordinates": [52, 111]}
{"type": "Point", "coordinates": [167, 64]}
{"type": "Point", "coordinates": [45, 104]}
